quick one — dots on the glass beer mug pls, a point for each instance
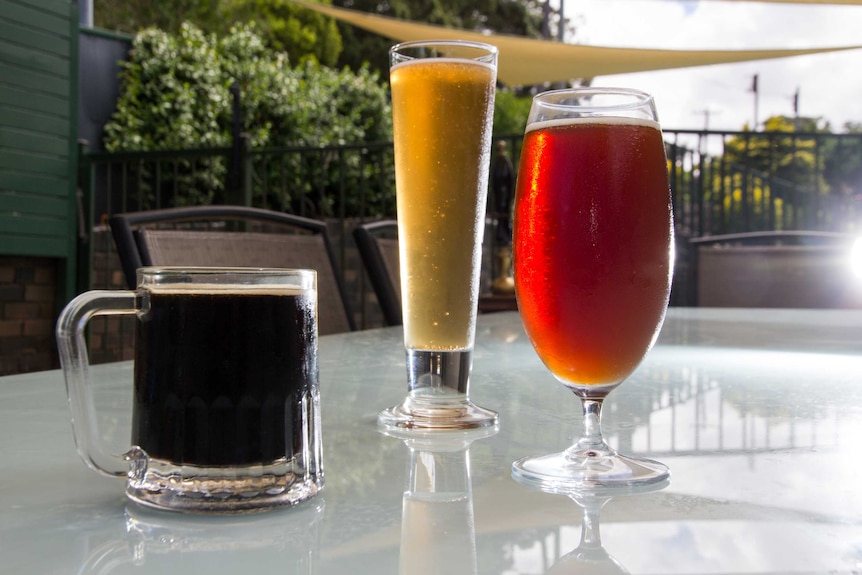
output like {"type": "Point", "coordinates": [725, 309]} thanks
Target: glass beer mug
{"type": "Point", "coordinates": [225, 412]}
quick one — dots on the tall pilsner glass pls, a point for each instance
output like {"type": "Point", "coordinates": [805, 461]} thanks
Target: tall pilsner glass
{"type": "Point", "coordinates": [593, 255]}
{"type": "Point", "coordinates": [442, 108]}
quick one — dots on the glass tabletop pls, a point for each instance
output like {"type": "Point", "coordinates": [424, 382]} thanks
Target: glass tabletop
{"type": "Point", "coordinates": [758, 414]}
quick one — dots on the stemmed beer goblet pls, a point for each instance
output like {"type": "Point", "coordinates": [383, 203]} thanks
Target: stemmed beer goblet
{"type": "Point", "coordinates": [593, 258]}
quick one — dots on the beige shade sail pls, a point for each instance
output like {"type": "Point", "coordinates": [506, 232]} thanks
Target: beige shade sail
{"type": "Point", "coordinates": [527, 62]}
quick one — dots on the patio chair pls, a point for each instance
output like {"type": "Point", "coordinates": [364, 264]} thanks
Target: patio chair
{"type": "Point", "coordinates": [378, 246]}
{"type": "Point", "coordinates": [229, 236]}
{"type": "Point", "coordinates": [775, 269]}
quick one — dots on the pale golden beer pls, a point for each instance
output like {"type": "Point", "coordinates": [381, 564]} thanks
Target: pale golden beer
{"type": "Point", "coordinates": [442, 112]}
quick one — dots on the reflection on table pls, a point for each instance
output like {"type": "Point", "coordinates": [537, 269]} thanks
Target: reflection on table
{"type": "Point", "coordinates": [157, 541]}
{"type": "Point", "coordinates": [758, 414]}
{"type": "Point", "coordinates": [438, 534]}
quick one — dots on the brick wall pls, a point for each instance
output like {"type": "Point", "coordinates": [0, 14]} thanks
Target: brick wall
{"type": "Point", "coordinates": [110, 338]}
{"type": "Point", "coordinates": [28, 311]}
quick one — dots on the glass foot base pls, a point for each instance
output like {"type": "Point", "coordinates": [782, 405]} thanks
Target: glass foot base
{"type": "Point", "coordinates": [437, 396]}
{"type": "Point", "coordinates": [161, 484]}
{"type": "Point", "coordinates": [562, 473]}
{"type": "Point", "coordinates": [436, 413]}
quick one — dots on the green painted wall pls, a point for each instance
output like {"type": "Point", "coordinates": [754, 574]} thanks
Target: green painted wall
{"type": "Point", "coordinates": [38, 124]}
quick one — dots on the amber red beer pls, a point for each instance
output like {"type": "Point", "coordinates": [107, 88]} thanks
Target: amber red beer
{"type": "Point", "coordinates": [593, 253]}
{"type": "Point", "coordinates": [591, 244]}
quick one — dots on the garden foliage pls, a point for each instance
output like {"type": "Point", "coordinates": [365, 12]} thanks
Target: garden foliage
{"type": "Point", "coordinates": [175, 95]}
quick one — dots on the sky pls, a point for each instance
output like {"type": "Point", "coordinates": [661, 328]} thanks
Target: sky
{"type": "Point", "coordinates": [719, 97]}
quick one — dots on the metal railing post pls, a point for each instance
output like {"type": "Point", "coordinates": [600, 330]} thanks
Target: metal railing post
{"type": "Point", "coordinates": [247, 170]}
{"type": "Point", "coordinates": [84, 202]}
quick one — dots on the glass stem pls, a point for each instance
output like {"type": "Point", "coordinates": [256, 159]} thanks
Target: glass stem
{"type": "Point", "coordinates": [591, 537]}
{"type": "Point", "coordinates": [591, 443]}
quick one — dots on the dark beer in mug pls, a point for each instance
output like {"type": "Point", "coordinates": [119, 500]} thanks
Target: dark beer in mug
{"type": "Point", "coordinates": [226, 402]}
{"type": "Point", "coordinates": [221, 375]}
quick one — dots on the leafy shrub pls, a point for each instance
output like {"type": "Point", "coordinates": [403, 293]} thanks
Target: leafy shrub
{"type": "Point", "coordinates": [290, 28]}
{"type": "Point", "coordinates": [510, 113]}
{"type": "Point", "coordinates": [176, 95]}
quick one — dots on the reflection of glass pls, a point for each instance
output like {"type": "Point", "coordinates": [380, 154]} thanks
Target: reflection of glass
{"type": "Point", "coordinates": [154, 542]}
{"type": "Point", "coordinates": [438, 535]}
{"type": "Point", "coordinates": [442, 111]}
{"type": "Point", "coordinates": [592, 246]}
{"type": "Point", "coordinates": [590, 557]}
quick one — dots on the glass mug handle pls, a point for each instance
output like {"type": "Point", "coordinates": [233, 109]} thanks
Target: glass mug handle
{"type": "Point", "coordinates": [75, 362]}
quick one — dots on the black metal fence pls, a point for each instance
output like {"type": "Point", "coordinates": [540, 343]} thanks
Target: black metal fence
{"type": "Point", "coordinates": [342, 186]}
{"type": "Point", "coordinates": [722, 182]}
{"type": "Point", "coordinates": [767, 181]}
